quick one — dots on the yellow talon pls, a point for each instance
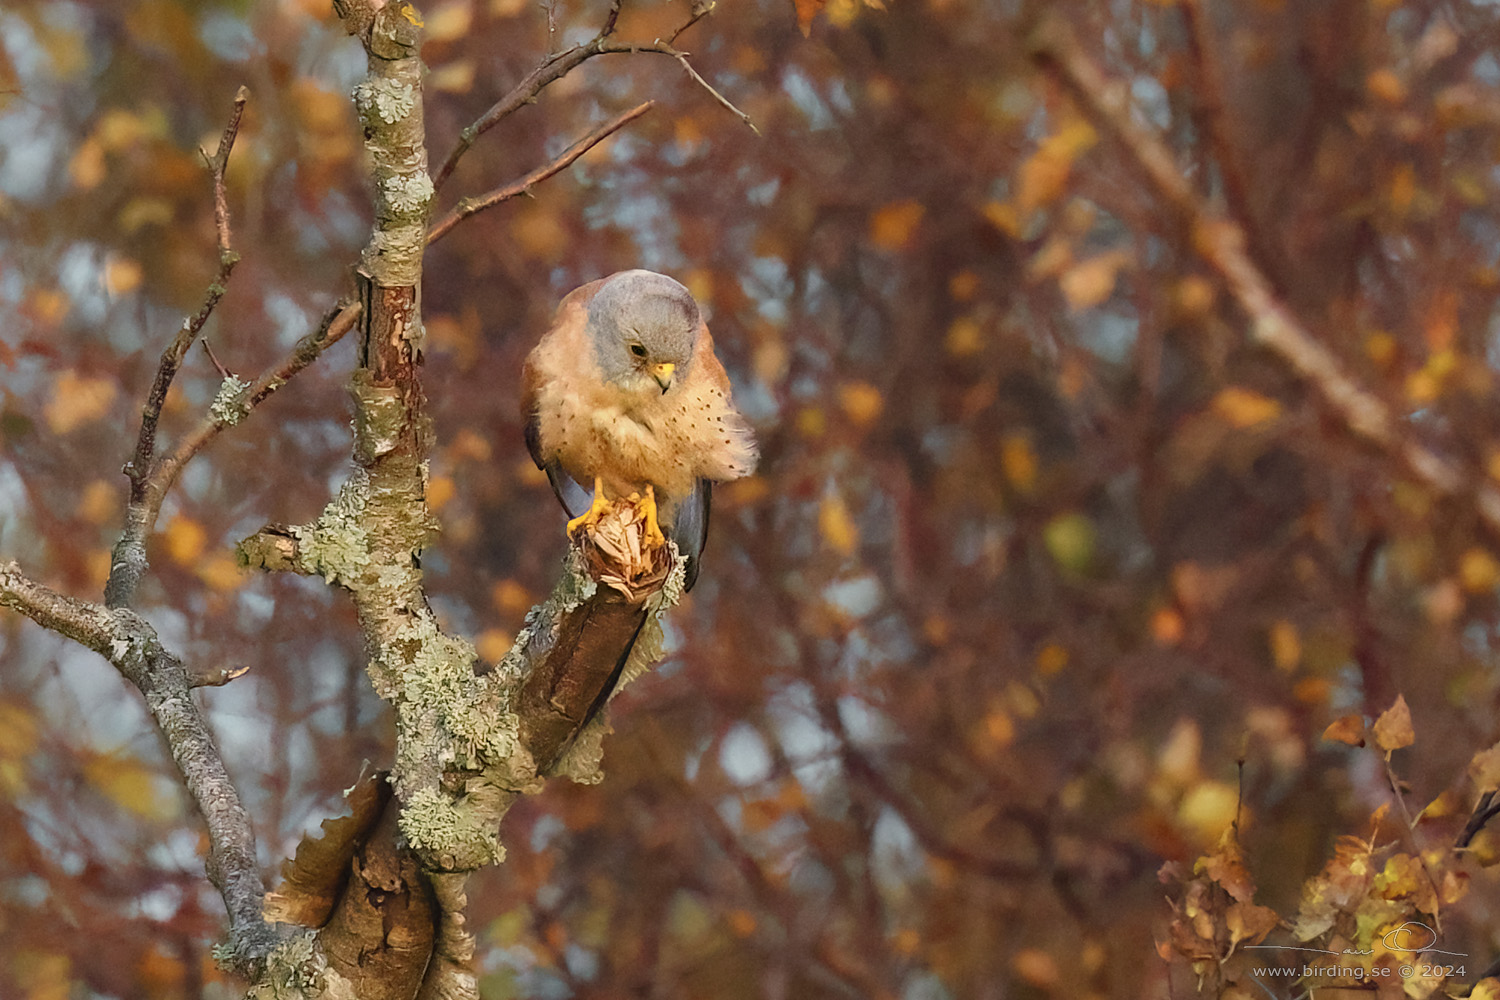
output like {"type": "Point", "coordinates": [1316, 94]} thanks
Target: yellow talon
{"type": "Point", "coordinates": [648, 512]}
{"type": "Point", "coordinates": [596, 509]}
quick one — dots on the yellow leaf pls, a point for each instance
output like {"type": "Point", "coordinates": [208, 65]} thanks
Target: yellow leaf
{"type": "Point", "coordinates": [77, 400]}
{"type": "Point", "coordinates": [1402, 190]}
{"type": "Point", "coordinates": [99, 502]}
{"type": "Point", "coordinates": [1167, 626]}
{"type": "Point", "coordinates": [811, 421]}
{"type": "Point", "coordinates": [1069, 539]}
{"type": "Point", "coordinates": [1478, 571]}
{"type": "Point", "coordinates": [18, 731]}
{"type": "Point", "coordinates": [861, 402]}
{"type": "Point", "coordinates": [965, 338]}
{"type": "Point", "coordinates": [131, 785]}
{"type": "Point", "coordinates": [449, 21]}
{"type": "Point", "coordinates": [742, 923]}
{"type": "Point", "coordinates": [963, 285]}
{"type": "Point", "coordinates": [492, 644]}
{"type": "Point", "coordinates": [121, 276]}
{"type": "Point", "coordinates": [1242, 408]}
{"type": "Point", "coordinates": [893, 225]}
{"type": "Point", "coordinates": [1195, 296]}
{"type": "Point", "coordinates": [539, 233]}
{"type": "Point", "coordinates": [456, 77]}
{"type": "Point", "coordinates": [1380, 347]}
{"type": "Point", "coordinates": [1385, 85]}
{"type": "Point", "coordinates": [1051, 659]}
{"type": "Point", "coordinates": [1286, 646]}
{"type": "Point", "coordinates": [1018, 460]}
{"type": "Point", "coordinates": [41, 975]}
{"type": "Point", "coordinates": [220, 571]}
{"type": "Point", "coordinates": [1484, 768]}
{"type": "Point", "coordinates": [1004, 217]}
{"type": "Point", "coordinates": [1043, 177]}
{"type": "Point", "coordinates": [440, 490]}
{"type": "Point", "coordinates": [1036, 967]}
{"type": "Point", "coordinates": [1091, 282]}
{"type": "Point", "coordinates": [1208, 809]}
{"type": "Point", "coordinates": [185, 540]}
{"type": "Point", "coordinates": [837, 526]}
{"type": "Point", "coordinates": [87, 168]}
{"type": "Point", "coordinates": [1393, 729]}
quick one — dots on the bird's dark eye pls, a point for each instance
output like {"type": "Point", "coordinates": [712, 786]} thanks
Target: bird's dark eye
{"type": "Point", "coordinates": [639, 350]}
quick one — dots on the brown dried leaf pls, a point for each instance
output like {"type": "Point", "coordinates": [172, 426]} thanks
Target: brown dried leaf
{"type": "Point", "coordinates": [1349, 729]}
{"type": "Point", "coordinates": [1226, 866]}
{"type": "Point", "coordinates": [1484, 768]}
{"type": "Point", "coordinates": [313, 880]}
{"type": "Point", "coordinates": [1393, 729]}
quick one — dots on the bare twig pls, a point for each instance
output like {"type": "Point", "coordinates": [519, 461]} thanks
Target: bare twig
{"type": "Point", "coordinates": [138, 468]}
{"type": "Point", "coordinates": [469, 206]}
{"type": "Point", "coordinates": [549, 71]}
{"type": "Point", "coordinates": [682, 58]}
{"type": "Point", "coordinates": [1408, 832]}
{"type": "Point", "coordinates": [1221, 244]}
{"type": "Point", "coordinates": [560, 64]}
{"type": "Point", "coordinates": [213, 359]}
{"type": "Point", "coordinates": [132, 646]}
{"type": "Point", "coordinates": [148, 491]}
{"type": "Point", "coordinates": [1486, 809]}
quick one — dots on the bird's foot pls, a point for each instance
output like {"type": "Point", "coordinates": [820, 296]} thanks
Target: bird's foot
{"type": "Point", "coordinates": [590, 517]}
{"type": "Point", "coordinates": [648, 513]}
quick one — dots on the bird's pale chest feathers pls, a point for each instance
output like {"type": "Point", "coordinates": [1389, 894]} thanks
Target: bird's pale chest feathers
{"type": "Point", "coordinates": [668, 440]}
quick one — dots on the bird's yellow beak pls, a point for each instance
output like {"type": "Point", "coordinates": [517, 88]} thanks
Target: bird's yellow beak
{"type": "Point", "coordinates": [663, 374]}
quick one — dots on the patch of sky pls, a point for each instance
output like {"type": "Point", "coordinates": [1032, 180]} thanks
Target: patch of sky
{"type": "Point", "coordinates": [1108, 336]}
{"type": "Point", "coordinates": [229, 36]}
{"type": "Point", "coordinates": [80, 273]}
{"type": "Point", "coordinates": [854, 597]}
{"type": "Point", "coordinates": [743, 756]}
{"type": "Point", "coordinates": [1152, 101]}
{"type": "Point", "coordinates": [805, 97]}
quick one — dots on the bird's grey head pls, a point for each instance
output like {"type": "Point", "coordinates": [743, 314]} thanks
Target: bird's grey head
{"type": "Point", "coordinates": [643, 326]}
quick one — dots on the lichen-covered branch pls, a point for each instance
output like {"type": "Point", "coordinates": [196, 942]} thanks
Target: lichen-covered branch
{"type": "Point", "coordinates": [132, 646]}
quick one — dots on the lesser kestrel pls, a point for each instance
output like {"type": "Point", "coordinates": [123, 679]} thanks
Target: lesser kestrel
{"type": "Point", "coordinates": [625, 391]}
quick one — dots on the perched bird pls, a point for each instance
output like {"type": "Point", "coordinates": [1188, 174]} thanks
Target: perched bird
{"type": "Point", "coordinates": [625, 391]}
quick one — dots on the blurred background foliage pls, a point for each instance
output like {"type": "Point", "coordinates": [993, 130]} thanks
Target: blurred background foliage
{"type": "Point", "coordinates": [1048, 572]}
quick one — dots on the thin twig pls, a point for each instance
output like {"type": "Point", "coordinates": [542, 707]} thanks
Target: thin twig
{"type": "Point", "coordinates": [219, 161]}
{"type": "Point", "coordinates": [1486, 809]}
{"type": "Point", "coordinates": [470, 206]}
{"type": "Point", "coordinates": [1409, 826]}
{"type": "Point", "coordinates": [549, 71]}
{"type": "Point", "coordinates": [682, 58]}
{"type": "Point", "coordinates": [128, 564]}
{"type": "Point", "coordinates": [560, 64]}
{"type": "Point", "coordinates": [214, 360]}
{"type": "Point", "coordinates": [1221, 244]}
{"type": "Point", "coordinates": [171, 360]}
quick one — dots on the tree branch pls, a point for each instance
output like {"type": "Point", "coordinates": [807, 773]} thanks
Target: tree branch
{"type": "Point", "coordinates": [128, 564]}
{"type": "Point", "coordinates": [1221, 244]}
{"type": "Point", "coordinates": [139, 467]}
{"type": "Point", "coordinates": [472, 206]}
{"type": "Point", "coordinates": [559, 65]}
{"type": "Point", "coordinates": [132, 646]}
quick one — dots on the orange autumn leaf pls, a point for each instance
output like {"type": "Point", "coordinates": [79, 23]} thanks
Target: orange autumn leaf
{"type": "Point", "coordinates": [77, 400]}
{"type": "Point", "coordinates": [1348, 729]}
{"type": "Point", "coordinates": [893, 225]}
{"type": "Point", "coordinates": [1242, 408]}
{"type": "Point", "coordinates": [806, 11]}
